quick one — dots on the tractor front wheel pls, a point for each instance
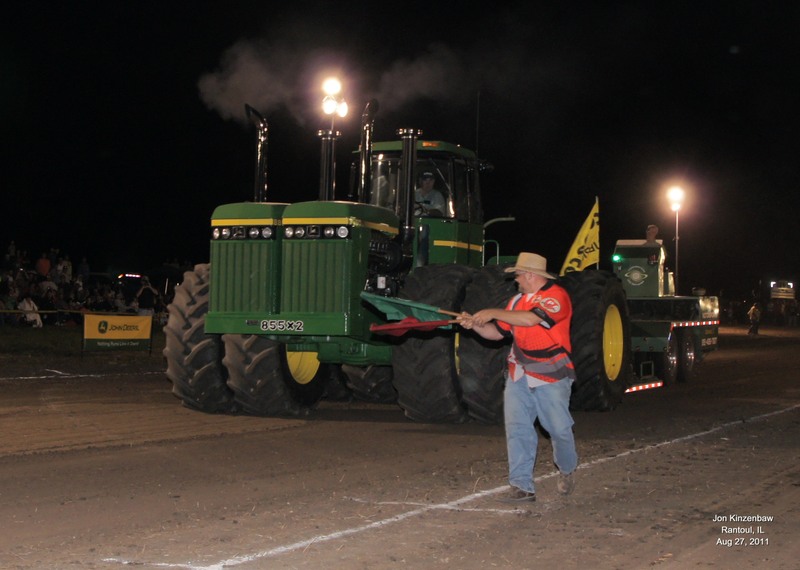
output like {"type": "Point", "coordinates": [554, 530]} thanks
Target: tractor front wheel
{"type": "Point", "coordinates": [255, 375]}
{"type": "Point", "coordinates": [194, 358]}
{"type": "Point", "coordinates": [270, 380]}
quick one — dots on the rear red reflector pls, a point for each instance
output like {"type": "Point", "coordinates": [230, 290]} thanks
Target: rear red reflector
{"type": "Point", "coordinates": [640, 387]}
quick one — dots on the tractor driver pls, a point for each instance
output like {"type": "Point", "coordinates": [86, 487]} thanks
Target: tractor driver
{"type": "Point", "coordinates": [650, 235]}
{"type": "Point", "coordinates": [429, 201]}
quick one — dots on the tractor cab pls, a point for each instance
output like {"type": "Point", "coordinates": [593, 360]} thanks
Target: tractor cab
{"type": "Point", "coordinates": [640, 266]}
{"type": "Point", "coordinates": [437, 200]}
{"type": "Point", "coordinates": [446, 172]}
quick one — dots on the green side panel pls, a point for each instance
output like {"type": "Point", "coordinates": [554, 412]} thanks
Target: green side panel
{"type": "Point", "coordinates": [650, 335]}
{"type": "Point", "coordinates": [450, 241]}
{"type": "Point", "coordinates": [706, 337]}
{"type": "Point", "coordinates": [347, 351]}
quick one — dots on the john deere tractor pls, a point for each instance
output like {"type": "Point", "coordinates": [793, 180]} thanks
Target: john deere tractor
{"type": "Point", "coordinates": [278, 319]}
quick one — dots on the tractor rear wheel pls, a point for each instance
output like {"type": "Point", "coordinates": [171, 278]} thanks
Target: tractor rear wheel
{"type": "Point", "coordinates": [424, 363]}
{"type": "Point", "coordinates": [600, 336]}
{"type": "Point", "coordinates": [371, 383]}
{"type": "Point", "coordinates": [194, 358]}
{"type": "Point", "coordinates": [481, 362]}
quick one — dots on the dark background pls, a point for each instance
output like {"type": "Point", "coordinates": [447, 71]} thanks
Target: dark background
{"type": "Point", "coordinates": [123, 123]}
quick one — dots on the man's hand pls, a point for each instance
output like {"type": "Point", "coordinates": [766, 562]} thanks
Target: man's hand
{"type": "Point", "coordinates": [479, 322]}
{"type": "Point", "coordinates": [465, 320]}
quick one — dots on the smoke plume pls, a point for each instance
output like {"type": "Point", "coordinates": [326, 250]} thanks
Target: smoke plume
{"type": "Point", "coordinates": [269, 77]}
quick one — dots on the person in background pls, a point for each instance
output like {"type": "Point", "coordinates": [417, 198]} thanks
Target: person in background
{"type": "Point", "coordinates": [30, 310]}
{"type": "Point", "coordinates": [650, 235]}
{"type": "Point", "coordinates": [43, 265]}
{"type": "Point", "coordinates": [754, 314]}
{"type": "Point", "coordinates": [146, 298]}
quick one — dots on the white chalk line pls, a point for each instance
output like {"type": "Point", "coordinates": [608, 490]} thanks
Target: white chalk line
{"type": "Point", "coordinates": [452, 505]}
{"type": "Point", "coordinates": [66, 375]}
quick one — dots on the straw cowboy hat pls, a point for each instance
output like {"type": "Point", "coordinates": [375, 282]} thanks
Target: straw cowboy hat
{"type": "Point", "coordinates": [531, 263]}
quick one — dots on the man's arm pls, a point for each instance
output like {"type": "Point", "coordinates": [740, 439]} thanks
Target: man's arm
{"type": "Point", "coordinates": [481, 321]}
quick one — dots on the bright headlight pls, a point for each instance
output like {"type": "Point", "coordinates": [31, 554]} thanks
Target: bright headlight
{"type": "Point", "coordinates": [266, 232]}
{"type": "Point", "coordinates": [342, 231]}
{"type": "Point", "coordinates": [288, 231]}
{"type": "Point", "coordinates": [328, 232]}
{"type": "Point", "coordinates": [253, 233]}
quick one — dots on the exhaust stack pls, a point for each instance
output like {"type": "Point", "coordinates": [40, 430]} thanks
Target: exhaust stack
{"type": "Point", "coordinates": [327, 166]}
{"type": "Point", "coordinates": [365, 149]}
{"type": "Point", "coordinates": [407, 183]}
{"type": "Point", "coordinates": [262, 137]}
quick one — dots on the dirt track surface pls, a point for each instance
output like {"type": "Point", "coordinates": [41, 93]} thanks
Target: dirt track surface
{"type": "Point", "coordinates": [101, 467]}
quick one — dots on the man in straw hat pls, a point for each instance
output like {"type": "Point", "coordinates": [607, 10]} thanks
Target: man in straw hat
{"type": "Point", "coordinates": [540, 373]}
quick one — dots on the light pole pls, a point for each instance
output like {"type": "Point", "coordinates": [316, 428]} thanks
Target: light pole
{"type": "Point", "coordinates": [675, 196]}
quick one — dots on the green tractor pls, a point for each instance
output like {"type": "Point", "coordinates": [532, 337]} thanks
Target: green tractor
{"type": "Point", "coordinates": [277, 320]}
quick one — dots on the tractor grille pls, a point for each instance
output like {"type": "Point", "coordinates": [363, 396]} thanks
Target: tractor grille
{"type": "Point", "coordinates": [240, 276]}
{"type": "Point", "coordinates": [316, 276]}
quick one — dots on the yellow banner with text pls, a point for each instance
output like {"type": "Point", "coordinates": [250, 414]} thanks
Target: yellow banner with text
{"type": "Point", "coordinates": [117, 332]}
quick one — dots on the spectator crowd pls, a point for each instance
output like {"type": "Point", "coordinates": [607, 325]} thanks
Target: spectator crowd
{"type": "Point", "coordinates": [50, 290]}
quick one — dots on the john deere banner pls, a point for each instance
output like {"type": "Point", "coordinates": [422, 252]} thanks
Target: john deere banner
{"type": "Point", "coordinates": [585, 250]}
{"type": "Point", "coordinates": [117, 332]}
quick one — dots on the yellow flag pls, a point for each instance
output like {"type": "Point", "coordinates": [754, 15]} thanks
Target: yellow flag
{"type": "Point", "coordinates": [585, 249]}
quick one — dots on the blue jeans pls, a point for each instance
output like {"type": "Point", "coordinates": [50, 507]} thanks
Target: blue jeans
{"type": "Point", "coordinates": [523, 405]}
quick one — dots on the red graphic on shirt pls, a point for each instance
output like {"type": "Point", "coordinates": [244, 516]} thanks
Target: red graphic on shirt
{"type": "Point", "coordinates": [550, 305]}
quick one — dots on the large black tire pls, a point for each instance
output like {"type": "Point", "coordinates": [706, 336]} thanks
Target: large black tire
{"type": "Point", "coordinates": [194, 358]}
{"type": "Point", "coordinates": [481, 362]}
{"type": "Point", "coordinates": [255, 375]}
{"type": "Point", "coordinates": [600, 336]}
{"type": "Point", "coordinates": [424, 363]}
{"type": "Point", "coordinates": [336, 389]}
{"type": "Point", "coordinates": [371, 383]}
{"type": "Point", "coordinates": [265, 380]}
{"type": "Point", "coordinates": [687, 354]}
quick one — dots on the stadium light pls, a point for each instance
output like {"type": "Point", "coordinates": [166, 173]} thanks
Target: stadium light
{"type": "Point", "coordinates": [675, 195]}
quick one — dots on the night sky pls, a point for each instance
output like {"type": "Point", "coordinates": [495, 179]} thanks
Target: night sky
{"type": "Point", "coordinates": [123, 123]}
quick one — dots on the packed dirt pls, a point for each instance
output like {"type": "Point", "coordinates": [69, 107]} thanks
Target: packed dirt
{"type": "Point", "coordinates": [101, 467]}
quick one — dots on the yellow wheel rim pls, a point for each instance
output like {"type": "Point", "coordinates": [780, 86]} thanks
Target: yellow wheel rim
{"type": "Point", "coordinates": [613, 343]}
{"type": "Point", "coordinates": [303, 366]}
{"type": "Point", "coordinates": [456, 344]}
